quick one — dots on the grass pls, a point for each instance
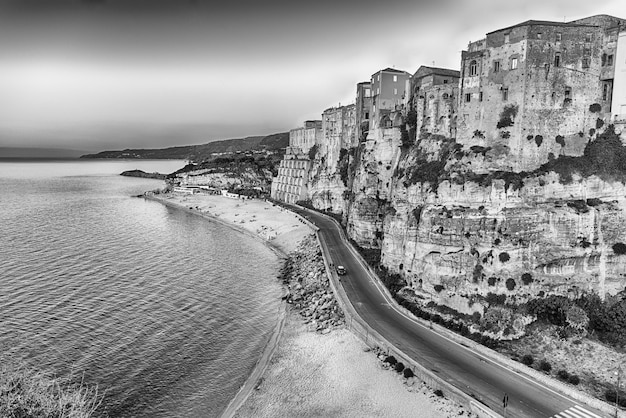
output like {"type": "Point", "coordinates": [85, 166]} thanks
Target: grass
{"type": "Point", "coordinates": [29, 393]}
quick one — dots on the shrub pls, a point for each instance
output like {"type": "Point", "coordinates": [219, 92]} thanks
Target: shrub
{"type": "Point", "coordinates": [504, 257]}
{"type": "Point", "coordinates": [595, 108]}
{"type": "Point", "coordinates": [399, 367]}
{"type": "Point", "coordinates": [510, 284]}
{"type": "Point", "coordinates": [408, 373]}
{"type": "Point", "coordinates": [619, 248]}
{"type": "Point", "coordinates": [563, 375]}
{"type": "Point", "coordinates": [29, 393]}
{"type": "Point", "coordinates": [599, 123]}
{"type": "Point", "coordinates": [476, 317]}
{"type": "Point", "coordinates": [527, 278]}
{"type": "Point", "coordinates": [577, 318]}
{"type": "Point", "coordinates": [528, 360]}
{"type": "Point", "coordinates": [479, 134]}
{"type": "Point", "coordinates": [491, 281]}
{"type": "Point", "coordinates": [538, 140]}
{"type": "Point", "coordinates": [560, 140]}
{"type": "Point", "coordinates": [545, 366]}
{"type": "Point", "coordinates": [495, 299]}
{"type": "Point", "coordinates": [391, 360]}
{"type": "Point", "coordinates": [505, 134]}
{"type": "Point", "coordinates": [552, 309]}
{"type": "Point", "coordinates": [438, 288]}
{"type": "Point", "coordinates": [574, 379]}
{"type": "Point", "coordinates": [313, 152]}
{"type": "Point", "coordinates": [439, 393]}
{"type": "Point", "coordinates": [506, 117]}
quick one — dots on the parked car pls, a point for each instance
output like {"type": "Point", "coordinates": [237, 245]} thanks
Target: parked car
{"type": "Point", "coordinates": [341, 270]}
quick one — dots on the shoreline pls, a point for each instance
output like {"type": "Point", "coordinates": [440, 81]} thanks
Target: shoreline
{"type": "Point", "coordinates": [313, 364]}
{"type": "Point", "coordinates": [260, 367]}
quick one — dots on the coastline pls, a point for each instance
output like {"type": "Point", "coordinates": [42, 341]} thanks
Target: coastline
{"type": "Point", "coordinates": [311, 365]}
{"type": "Point", "coordinates": [289, 238]}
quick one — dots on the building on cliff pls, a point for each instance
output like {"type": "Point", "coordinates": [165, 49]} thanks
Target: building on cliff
{"type": "Point", "coordinates": [389, 87]}
{"type": "Point", "coordinates": [363, 107]}
{"type": "Point", "coordinates": [339, 126]}
{"type": "Point", "coordinates": [433, 97]}
{"type": "Point", "coordinates": [290, 185]}
{"type": "Point", "coordinates": [618, 103]}
{"type": "Point", "coordinates": [538, 88]}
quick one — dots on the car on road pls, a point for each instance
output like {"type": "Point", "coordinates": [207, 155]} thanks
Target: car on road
{"type": "Point", "coordinates": [341, 270]}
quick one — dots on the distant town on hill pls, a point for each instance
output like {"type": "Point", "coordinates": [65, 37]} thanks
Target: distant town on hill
{"type": "Point", "coordinates": [203, 152]}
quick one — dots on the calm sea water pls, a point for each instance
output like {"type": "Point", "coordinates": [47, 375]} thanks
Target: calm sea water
{"type": "Point", "coordinates": [166, 312]}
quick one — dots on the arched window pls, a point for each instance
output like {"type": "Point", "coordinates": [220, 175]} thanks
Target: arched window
{"type": "Point", "coordinates": [473, 68]}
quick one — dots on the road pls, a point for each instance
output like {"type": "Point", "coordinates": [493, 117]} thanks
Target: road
{"type": "Point", "coordinates": [467, 370]}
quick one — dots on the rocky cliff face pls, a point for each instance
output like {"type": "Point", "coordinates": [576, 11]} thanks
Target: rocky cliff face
{"type": "Point", "coordinates": [455, 233]}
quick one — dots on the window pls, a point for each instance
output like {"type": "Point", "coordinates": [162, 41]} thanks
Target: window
{"type": "Point", "coordinates": [496, 66]}
{"type": "Point", "coordinates": [587, 51]}
{"type": "Point", "coordinates": [558, 36]}
{"type": "Point", "coordinates": [377, 77]}
{"type": "Point", "coordinates": [609, 60]}
{"type": "Point", "coordinates": [505, 94]}
{"type": "Point", "coordinates": [367, 115]}
{"type": "Point", "coordinates": [506, 38]}
{"type": "Point", "coordinates": [473, 68]}
{"type": "Point", "coordinates": [377, 90]}
{"type": "Point", "coordinates": [395, 78]}
{"type": "Point", "coordinates": [367, 92]}
{"type": "Point", "coordinates": [605, 91]}
{"type": "Point", "coordinates": [568, 93]}
{"type": "Point", "coordinates": [480, 96]}
{"type": "Point", "coordinates": [445, 81]}
{"type": "Point", "coordinates": [585, 62]}
{"type": "Point", "coordinates": [557, 59]}
{"type": "Point", "coordinates": [588, 37]}
{"type": "Point", "coordinates": [468, 97]}
{"type": "Point", "coordinates": [513, 63]}
{"type": "Point", "coordinates": [539, 35]}
{"type": "Point", "coordinates": [603, 60]}
{"type": "Point", "coordinates": [395, 91]}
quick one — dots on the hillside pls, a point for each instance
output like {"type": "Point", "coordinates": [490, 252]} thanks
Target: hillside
{"type": "Point", "coordinates": [201, 152]}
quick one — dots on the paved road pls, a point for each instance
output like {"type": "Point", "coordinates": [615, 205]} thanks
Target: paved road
{"type": "Point", "coordinates": [465, 369]}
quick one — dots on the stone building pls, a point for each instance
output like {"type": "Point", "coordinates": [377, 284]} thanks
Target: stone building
{"type": "Point", "coordinates": [388, 94]}
{"type": "Point", "coordinates": [537, 88]}
{"type": "Point", "coordinates": [433, 96]}
{"type": "Point", "coordinates": [618, 101]}
{"type": "Point", "coordinates": [290, 185]}
{"type": "Point", "coordinates": [339, 126]}
{"type": "Point", "coordinates": [363, 107]}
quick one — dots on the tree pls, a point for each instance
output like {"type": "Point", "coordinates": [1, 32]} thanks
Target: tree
{"type": "Point", "coordinates": [577, 318]}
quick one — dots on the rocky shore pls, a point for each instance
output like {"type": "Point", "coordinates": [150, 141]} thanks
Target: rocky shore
{"type": "Point", "coordinates": [321, 369]}
{"type": "Point", "coordinates": [309, 289]}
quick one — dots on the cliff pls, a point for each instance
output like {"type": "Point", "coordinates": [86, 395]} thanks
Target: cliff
{"type": "Point", "coordinates": [455, 234]}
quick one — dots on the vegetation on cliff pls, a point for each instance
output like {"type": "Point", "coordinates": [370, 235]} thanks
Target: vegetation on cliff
{"type": "Point", "coordinates": [28, 393]}
{"type": "Point", "coordinates": [143, 174]}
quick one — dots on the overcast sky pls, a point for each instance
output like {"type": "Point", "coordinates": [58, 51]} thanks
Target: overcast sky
{"type": "Point", "coordinates": [111, 74]}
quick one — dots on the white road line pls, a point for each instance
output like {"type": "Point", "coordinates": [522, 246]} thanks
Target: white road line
{"type": "Point", "coordinates": [576, 412]}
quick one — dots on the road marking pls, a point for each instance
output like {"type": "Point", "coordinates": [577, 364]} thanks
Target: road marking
{"type": "Point", "coordinates": [576, 412]}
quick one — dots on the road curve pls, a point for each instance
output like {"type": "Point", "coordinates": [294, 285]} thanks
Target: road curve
{"type": "Point", "coordinates": [469, 371]}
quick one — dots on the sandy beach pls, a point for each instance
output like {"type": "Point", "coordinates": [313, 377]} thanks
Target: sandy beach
{"type": "Point", "coordinates": [309, 373]}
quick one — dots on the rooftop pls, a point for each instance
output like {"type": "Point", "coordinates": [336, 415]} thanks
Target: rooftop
{"type": "Point", "coordinates": [424, 70]}
{"type": "Point", "coordinates": [542, 23]}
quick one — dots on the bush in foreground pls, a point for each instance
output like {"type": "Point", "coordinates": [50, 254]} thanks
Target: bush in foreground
{"type": "Point", "coordinates": [399, 366]}
{"type": "Point", "coordinates": [545, 366]}
{"type": "Point", "coordinates": [528, 360]}
{"type": "Point", "coordinates": [391, 360]}
{"type": "Point", "coordinates": [408, 373]}
{"type": "Point", "coordinates": [27, 393]}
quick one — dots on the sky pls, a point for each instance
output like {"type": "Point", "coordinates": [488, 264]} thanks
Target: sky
{"type": "Point", "coordinates": [113, 74]}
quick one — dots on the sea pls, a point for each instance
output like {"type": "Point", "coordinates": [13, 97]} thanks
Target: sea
{"type": "Point", "coordinates": [166, 312]}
